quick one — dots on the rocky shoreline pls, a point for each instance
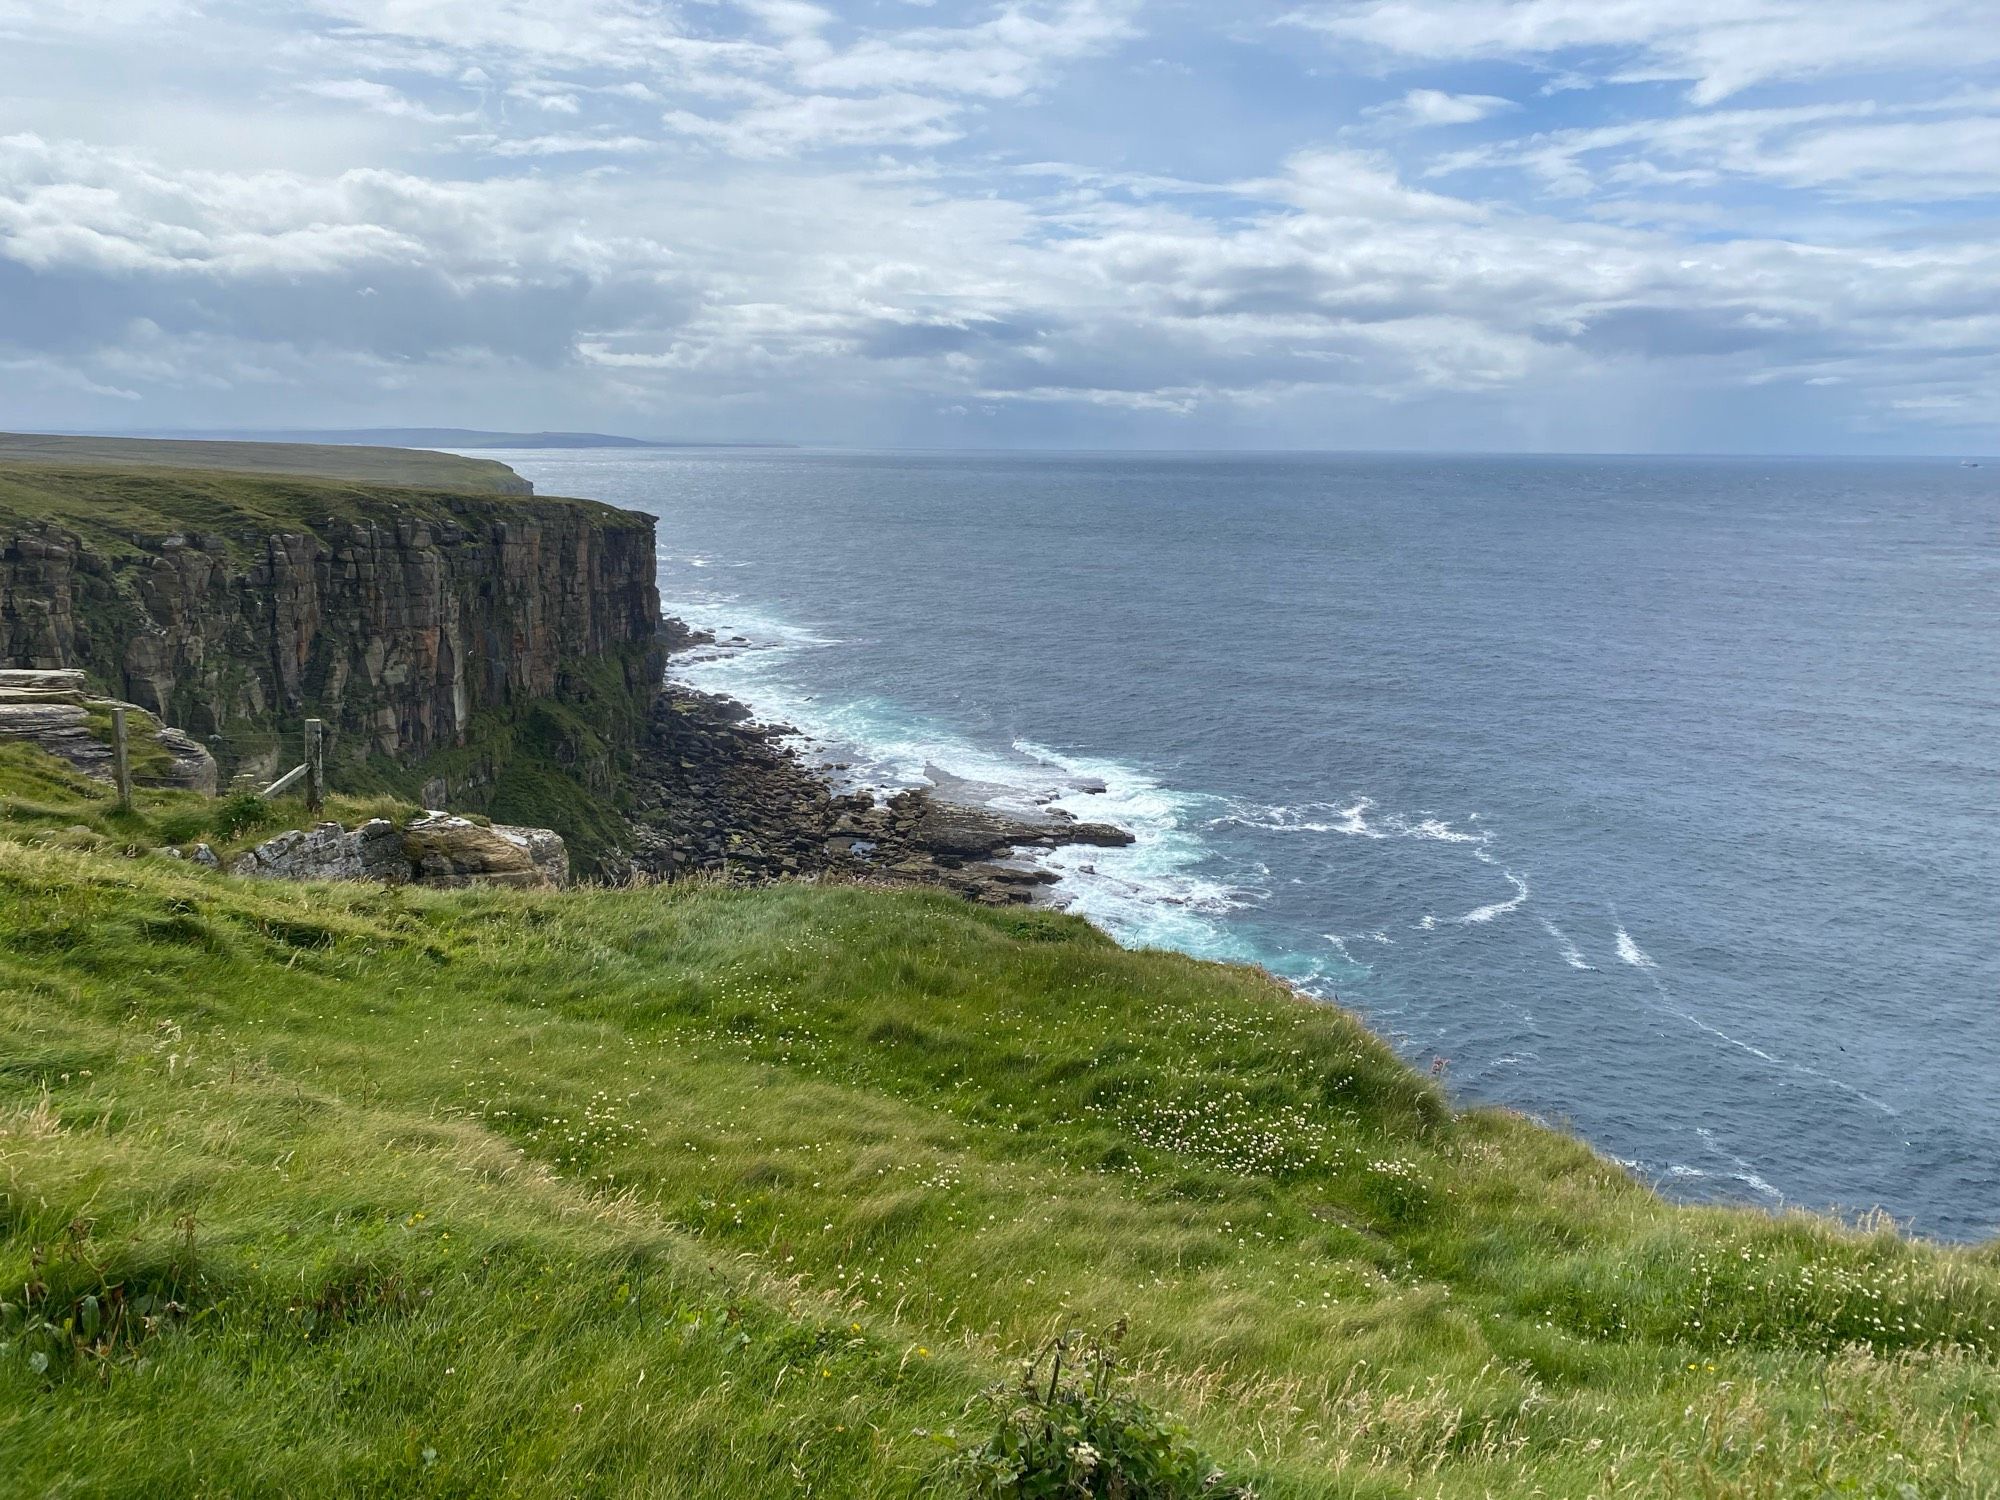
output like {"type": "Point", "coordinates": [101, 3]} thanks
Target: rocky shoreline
{"type": "Point", "coordinates": [722, 795]}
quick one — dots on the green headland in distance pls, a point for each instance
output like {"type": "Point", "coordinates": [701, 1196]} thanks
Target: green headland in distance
{"type": "Point", "coordinates": [465, 437]}
{"type": "Point", "coordinates": [364, 464]}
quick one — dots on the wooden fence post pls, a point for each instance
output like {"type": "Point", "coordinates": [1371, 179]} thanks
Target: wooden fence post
{"type": "Point", "coordinates": [315, 766]}
{"type": "Point", "coordinates": [121, 758]}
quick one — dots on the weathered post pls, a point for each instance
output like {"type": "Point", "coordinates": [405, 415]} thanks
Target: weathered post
{"type": "Point", "coordinates": [121, 758]}
{"type": "Point", "coordinates": [315, 766]}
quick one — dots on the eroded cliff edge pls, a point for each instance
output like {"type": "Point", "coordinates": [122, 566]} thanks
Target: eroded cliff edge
{"type": "Point", "coordinates": [496, 652]}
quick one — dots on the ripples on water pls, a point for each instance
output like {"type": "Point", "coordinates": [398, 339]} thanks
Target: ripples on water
{"type": "Point", "coordinates": [1658, 796]}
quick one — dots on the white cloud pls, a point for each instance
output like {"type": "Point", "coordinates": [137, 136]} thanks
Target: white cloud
{"type": "Point", "coordinates": [1718, 46]}
{"type": "Point", "coordinates": [382, 99]}
{"type": "Point", "coordinates": [785, 207]}
{"type": "Point", "coordinates": [1002, 58]}
{"type": "Point", "coordinates": [1927, 150]}
{"type": "Point", "coordinates": [1341, 277]}
{"type": "Point", "coordinates": [822, 121]}
{"type": "Point", "coordinates": [1420, 107]}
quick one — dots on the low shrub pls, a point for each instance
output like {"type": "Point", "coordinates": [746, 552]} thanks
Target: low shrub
{"type": "Point", "coordinates": [1065, 1431]}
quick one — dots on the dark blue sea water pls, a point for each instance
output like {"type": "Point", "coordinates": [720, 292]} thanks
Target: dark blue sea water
{"type": "Point", "coordinates": [1661, 797]}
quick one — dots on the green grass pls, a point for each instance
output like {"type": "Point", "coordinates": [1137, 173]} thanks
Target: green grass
{"type": "Point", "coordinates": [697, 1191]}
{"type": "Point", "coordinates": [444, 471]}
{"type": "Point", "coordinates": [561, 762]}
{"type": "Point", "coordinates": [110, 507]}
{"type": "Point", "coordinates": [47, 804]}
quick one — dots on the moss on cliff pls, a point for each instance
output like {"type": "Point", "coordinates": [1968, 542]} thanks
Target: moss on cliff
{"type": "Point", "coordinates": [561, 762]}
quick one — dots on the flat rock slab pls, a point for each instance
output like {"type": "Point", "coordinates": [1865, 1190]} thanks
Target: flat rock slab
{"type": "Point", "coordinates": [43, 679]}
{"type": "Point", "coordinates": [57, 718]}
{"type": "Point", "coordinates": [436, 850]}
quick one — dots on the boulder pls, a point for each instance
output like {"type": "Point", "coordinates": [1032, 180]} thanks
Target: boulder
{"type": "Point", "coordinates": [546, 850]}
{"type": "Point", "coordinates": [447, 851]}
{"type": "Point", "coordinates": [436, 850]}
{"type": "Point", "coordinates": [326, 851]}
{"type": "Point", "coordinates": [953, 831]}
{"type": "Point", "coordinates": [42, 679]}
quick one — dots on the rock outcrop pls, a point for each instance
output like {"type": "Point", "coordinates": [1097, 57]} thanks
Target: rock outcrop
{"type": "Point", "coordinates": [720, 795]}
{"type": "Point", "coordinates": [501, 650]}
{"type": "Point", "coordinates": [396, 628]}
{"type": "Point", "coordinates": [54, 711]}
{"type": "Point", "coordinates": [436, 849]}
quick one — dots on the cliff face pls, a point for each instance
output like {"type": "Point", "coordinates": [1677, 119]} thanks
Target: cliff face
{"type": "Point", "coordinates": [427, 629]}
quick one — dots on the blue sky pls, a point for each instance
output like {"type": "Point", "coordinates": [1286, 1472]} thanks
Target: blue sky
{"type": "Point", "coordinates": [1625, 225]}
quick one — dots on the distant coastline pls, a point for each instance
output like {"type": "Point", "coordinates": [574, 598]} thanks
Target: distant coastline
{"type": "Point", "coordinates": [444, 437]}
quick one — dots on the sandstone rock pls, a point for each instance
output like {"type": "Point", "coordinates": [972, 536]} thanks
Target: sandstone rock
{"type": "Point", "coordinates": [546, 850]}
{"type": "Point", "coordinates": [727, 799]}
{"type": "Point", "coordinates": [394, 628]}
{"type": "Point", "coordinates": [56, 716]}
{"type": "Point", "coordinates": [449, 851]}
{"type": "Point", "coordinates": [957, 832]}
{"type": "Point", "coordinates": [436, 849]}
{"type": "Point", "coordinates": [52, 680]}
{"type": "Point", "coordinates": [326, 851]}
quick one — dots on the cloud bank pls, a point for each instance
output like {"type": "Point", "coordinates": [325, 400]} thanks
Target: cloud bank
{"type": "Point", "coordinates": [1453, 223]}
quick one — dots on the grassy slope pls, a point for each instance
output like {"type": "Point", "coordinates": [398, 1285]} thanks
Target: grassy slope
{"type": "Point", "coordinates": [709, 1192]}
{"type": "Point", "coordinates": [323, 460]}
{"type": "Point", "coordinates": [107, 506]}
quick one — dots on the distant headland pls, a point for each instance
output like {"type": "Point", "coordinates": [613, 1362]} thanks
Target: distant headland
{"type": "Point", "coordinates": [449, 437]}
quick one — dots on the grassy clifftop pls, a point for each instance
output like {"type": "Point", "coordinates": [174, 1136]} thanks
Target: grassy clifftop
{"type": "Point", "coordinates": [406, 466]}
{"type": "Point", "coordinates": [109, 506]}
{"type": "Point", "coordinates": [696, 1191]}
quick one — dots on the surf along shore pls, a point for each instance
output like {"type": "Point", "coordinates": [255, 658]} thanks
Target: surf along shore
{"type": "Point", "coordinates": [722, 794]}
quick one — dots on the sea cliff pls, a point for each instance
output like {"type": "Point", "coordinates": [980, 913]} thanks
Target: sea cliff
{"type": "Point", "coordinates": [466, 647]}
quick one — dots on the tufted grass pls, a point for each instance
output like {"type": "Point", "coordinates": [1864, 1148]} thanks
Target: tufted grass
{"type": "Point", "coordinates": [697, 1191]}
{"type": "Point", "coordinates": [47, 803]}
{"type": "Point", "coordinates": [364, 465]}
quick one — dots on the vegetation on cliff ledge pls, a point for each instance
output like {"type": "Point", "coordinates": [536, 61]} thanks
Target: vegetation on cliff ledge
{"type": "Point", "coordinates": [697, 1191]}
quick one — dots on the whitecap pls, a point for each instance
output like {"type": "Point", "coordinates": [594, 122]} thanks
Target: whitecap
{"type": "Point", "coordinates": [1631, 952]}
{"type": "Point", "coordinates": [1499, 908]}
{"type": "Point", "coordinates": [1305, 817]}
{"type": "Point", "coordinates": [1571, 954]}
{"type": "Point", "coordinates": [1439, 830]}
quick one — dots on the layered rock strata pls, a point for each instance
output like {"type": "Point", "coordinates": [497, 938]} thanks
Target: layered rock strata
{"type": "Point", "coordinates": [436, 850]}
{"type": "Point", "coordinates": [396, 621]}
{"type": "Point", "coordinates": [54, 711]}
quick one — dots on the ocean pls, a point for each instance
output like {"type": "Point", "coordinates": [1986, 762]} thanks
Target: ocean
{"type": "Point", "coordinates": [1657, 798]}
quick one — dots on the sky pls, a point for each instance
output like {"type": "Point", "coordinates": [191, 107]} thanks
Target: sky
{"type": "Point", "coordinates": [1546, 225]}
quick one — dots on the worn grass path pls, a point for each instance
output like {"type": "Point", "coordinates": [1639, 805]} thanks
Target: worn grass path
{"type": "Point", "coordinates": [708, 1192]}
